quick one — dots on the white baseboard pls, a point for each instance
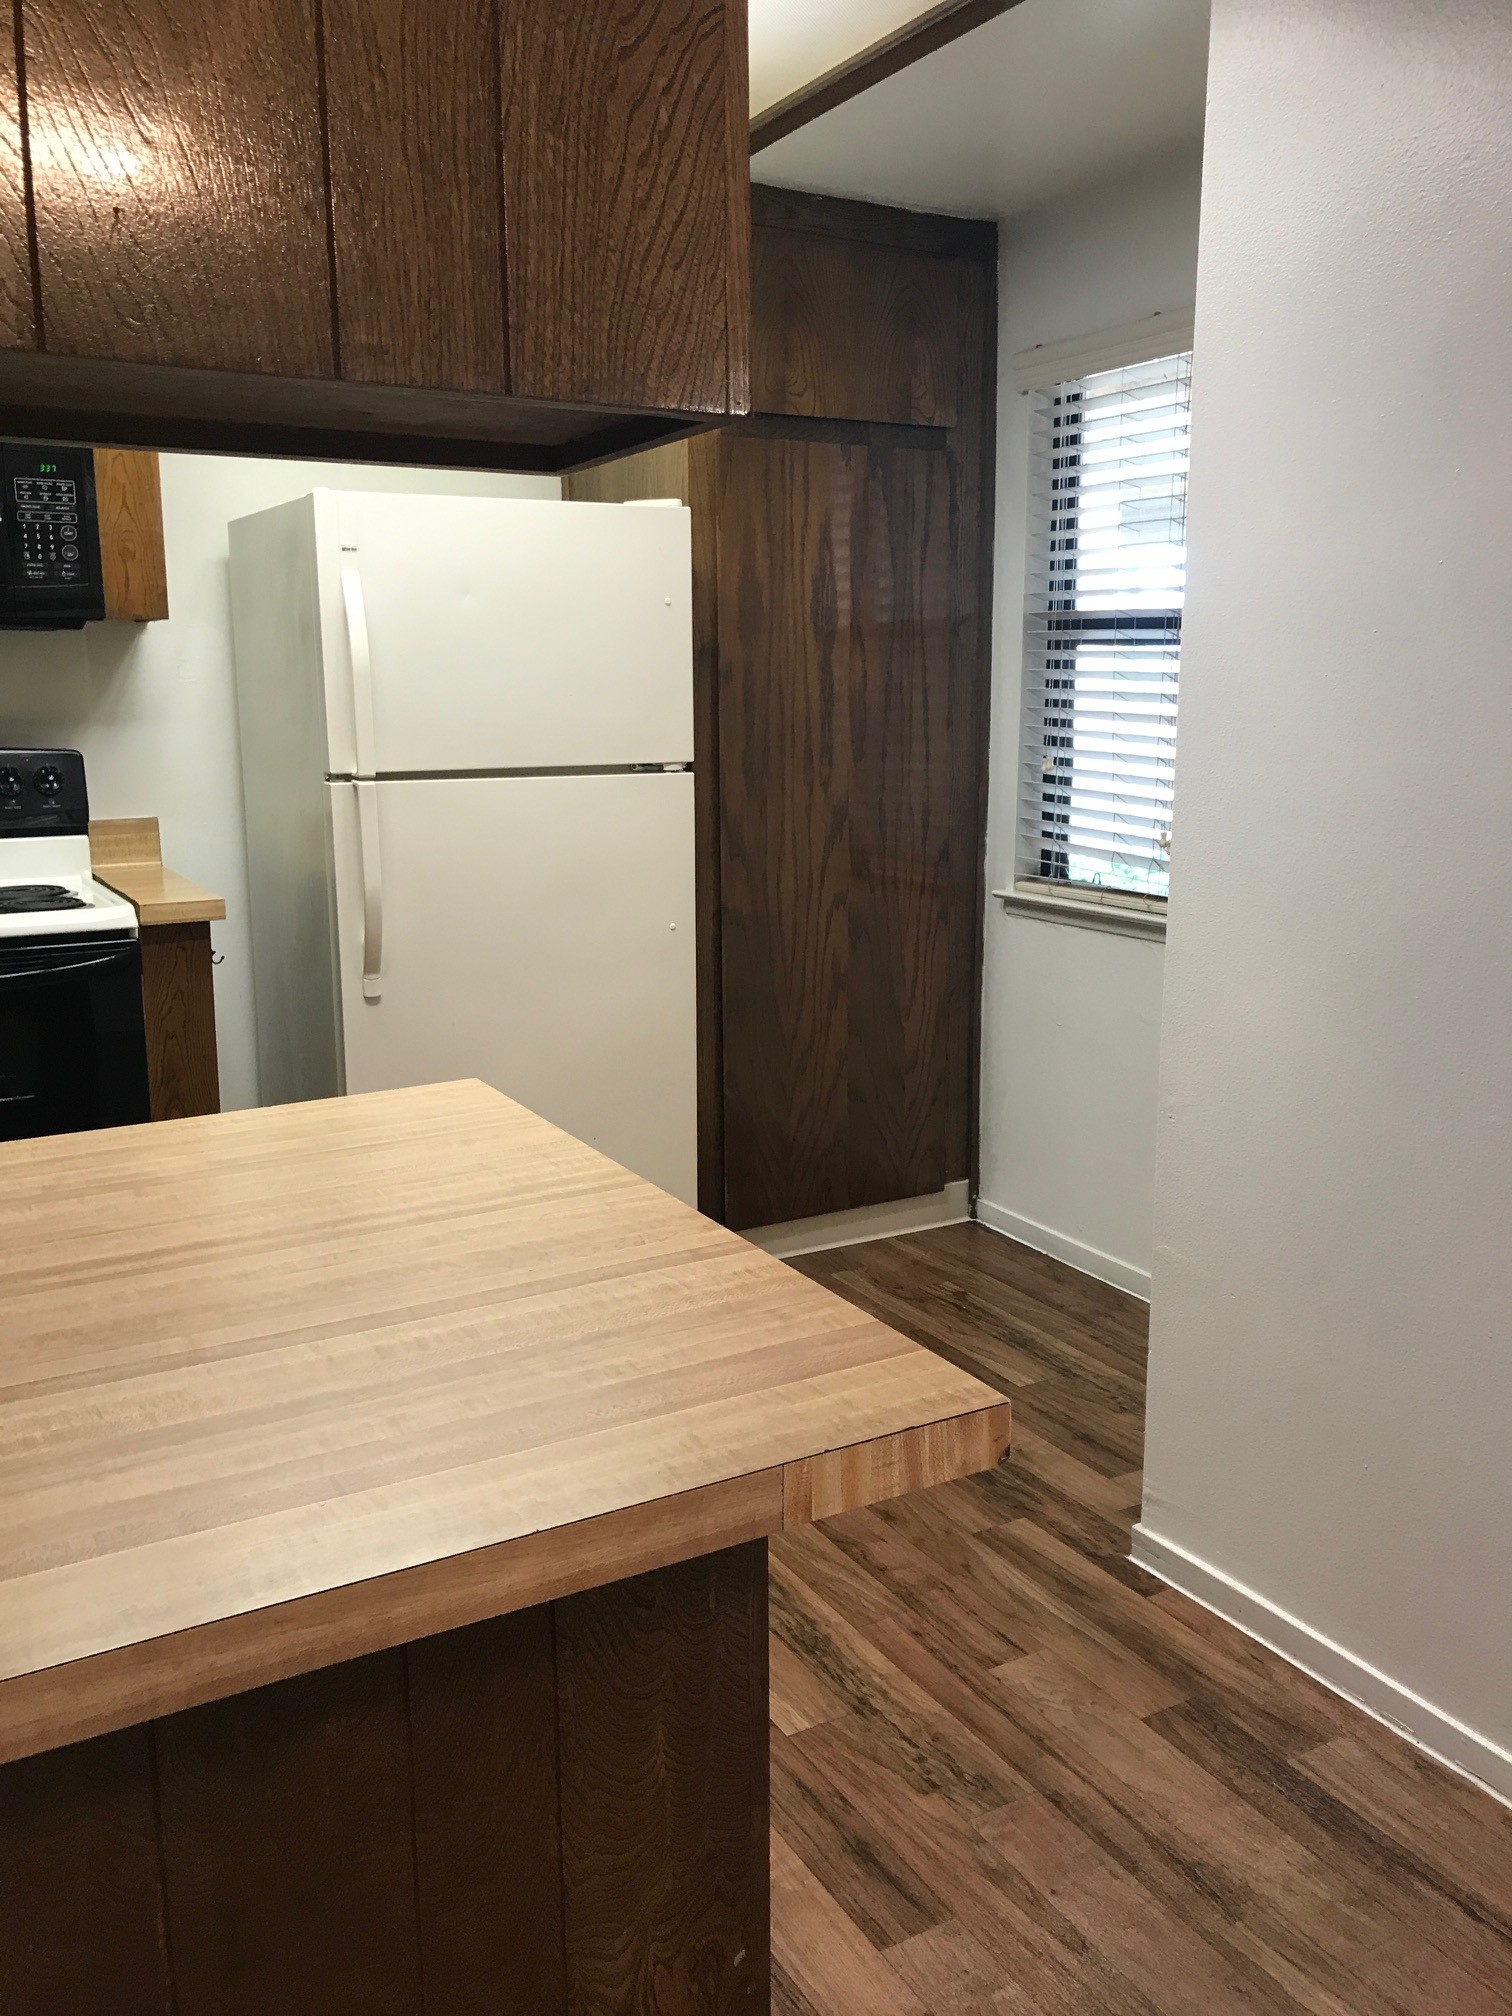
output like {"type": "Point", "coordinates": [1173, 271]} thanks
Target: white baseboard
{"type": "Point", "coordinates": [950, 1206]}
{"type": "Point", "coordinates": [1060, 1246]}
{"type": "Point", "coordinates": [1464, 1749]}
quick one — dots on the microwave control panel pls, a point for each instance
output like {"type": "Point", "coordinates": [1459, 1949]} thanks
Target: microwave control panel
{"type": "Point", "coordinates": [51, 542]}
{"type": "Point", "coordinates": [46, 511]}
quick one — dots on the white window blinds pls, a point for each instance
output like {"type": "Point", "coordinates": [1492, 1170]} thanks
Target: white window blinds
{"type": "Point", "coordinates": [1102, 625]}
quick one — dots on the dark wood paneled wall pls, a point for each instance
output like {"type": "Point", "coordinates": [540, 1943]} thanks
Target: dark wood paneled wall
{"type": "Point", "coordinates": [557, 1813]}
{"type": "Point", "coordinates": [843, 556]}
{"type": "Point", "coordinates": [428, 207]}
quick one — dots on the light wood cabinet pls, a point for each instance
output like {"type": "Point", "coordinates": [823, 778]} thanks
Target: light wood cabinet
{"type": "Point", "coordinates": [133, 561]}
{"type": "Point", "coordinates": [459, 231]}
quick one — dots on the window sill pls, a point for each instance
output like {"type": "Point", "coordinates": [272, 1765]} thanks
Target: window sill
{"type": "Point", "coordinates": [1093, 910]}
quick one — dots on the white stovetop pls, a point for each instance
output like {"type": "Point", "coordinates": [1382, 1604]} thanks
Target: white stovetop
{"type": "Point", "coordinates": [62, 860]}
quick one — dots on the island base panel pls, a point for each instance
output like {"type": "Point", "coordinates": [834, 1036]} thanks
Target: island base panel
{"type": "Point", "coordinates": [563, 1810]}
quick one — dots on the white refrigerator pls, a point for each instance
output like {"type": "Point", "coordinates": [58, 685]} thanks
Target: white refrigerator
{"type": "Point", "coordinates": [467, 750]}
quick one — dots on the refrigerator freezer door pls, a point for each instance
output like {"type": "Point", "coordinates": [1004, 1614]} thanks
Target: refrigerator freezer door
{"type": "Point", "coordinates": [503, 635]}
{"type": "Point", "coordinates": [537, 933]}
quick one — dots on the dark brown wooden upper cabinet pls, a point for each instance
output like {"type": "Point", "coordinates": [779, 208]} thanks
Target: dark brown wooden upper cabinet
{"type": "Point", "coordinates": [416, 223]}
{"type": "Point", "coordinates": [900, 361]}
{"type": "Point", "coordinates": [622, 120]}
{"type": "Point", "coordinates": [18, 326]}
{"type": "Point", "coordinates": [178, 182]}
{"type": "Point", "coordinates": [504, 232]}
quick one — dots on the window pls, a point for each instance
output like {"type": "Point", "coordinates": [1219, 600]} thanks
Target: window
{"type": "Point", "coordinates": [1102, 625]}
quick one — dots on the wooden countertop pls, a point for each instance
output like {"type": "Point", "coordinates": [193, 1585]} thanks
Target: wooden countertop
{"type": "Point", "coordinates": [278, 1388]}
{"type": "Point", "coordinates": [127, 856]}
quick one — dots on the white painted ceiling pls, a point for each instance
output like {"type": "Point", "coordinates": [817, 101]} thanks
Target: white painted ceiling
{"type": "Point", "coordinates": [795, 41]}
{"type": "Point", "coordinates": [1051, 97]}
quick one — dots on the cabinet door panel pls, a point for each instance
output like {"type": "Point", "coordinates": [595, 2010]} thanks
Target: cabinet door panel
{"type": "Point", "coordinates": [898, 360]}
{"type": "Point", "coordinates": [904, 912]}
{"type": "Point", "coordinates": [18, 325]}
{"type": "Point", "coordinates": [178, 997]}
{"type": "Point", "coordinates": [842, 911]}
{"type": "Point", "coordinates": [784, 789]}
{"type": "Point", "coordinates": [179, 183]}
{"type": "Point", "coordinates": [617, 199]}
{"type": "Point", "coordinates": [738, 208]}
{"type": "Point", "coordinates": [412, 92]}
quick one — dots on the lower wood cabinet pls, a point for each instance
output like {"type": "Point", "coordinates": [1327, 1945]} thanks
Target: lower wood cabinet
{"type": "Point", "coordinates": [178, 1004]}
{"type": "Point", "coordinates": [178, 964]}
{"type": "Point", "coordinates": [842, 570]}
{"type": "Point", "coordinates": [562, 1812]}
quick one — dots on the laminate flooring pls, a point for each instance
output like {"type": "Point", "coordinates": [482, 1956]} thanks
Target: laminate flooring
{"type": "Point", "coordinates": [1013, 1775]}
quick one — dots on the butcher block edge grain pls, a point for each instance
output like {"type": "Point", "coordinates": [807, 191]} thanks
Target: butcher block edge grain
{"type": "Point", "coordinates": [137, 1683]}
{"type": "Point", "coordinates": [131, 1626]}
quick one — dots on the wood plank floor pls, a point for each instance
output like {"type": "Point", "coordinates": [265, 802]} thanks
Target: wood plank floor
{"type": "Point", "coordinates": [1015, 1776]}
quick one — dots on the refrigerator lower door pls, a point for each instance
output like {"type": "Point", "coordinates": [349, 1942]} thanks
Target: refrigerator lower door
{"type": "Point", "coordinates": [538, 933]}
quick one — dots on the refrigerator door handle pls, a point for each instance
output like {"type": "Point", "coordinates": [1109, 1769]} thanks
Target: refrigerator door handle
{"type": "Point", "coordinates": [360, 658]}
{"type": "Point", "coordinates": [372, 888]}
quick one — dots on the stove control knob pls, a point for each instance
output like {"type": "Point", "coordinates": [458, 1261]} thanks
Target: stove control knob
{"type": "Point", "coordinates": [48, 781]}
{"type": "Point", "coordinates": [10, 784]}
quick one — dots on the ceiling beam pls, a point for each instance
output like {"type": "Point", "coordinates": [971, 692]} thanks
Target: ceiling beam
{"type": "Point", "coordinates": [921, 37]}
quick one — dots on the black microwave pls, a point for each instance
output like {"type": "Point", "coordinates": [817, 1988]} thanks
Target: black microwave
{"type": "Point", "coordinates": [50, 575]}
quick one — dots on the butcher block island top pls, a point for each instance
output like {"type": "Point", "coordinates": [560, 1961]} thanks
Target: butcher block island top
{"type": "Point", "coordinates": [285, 1387]}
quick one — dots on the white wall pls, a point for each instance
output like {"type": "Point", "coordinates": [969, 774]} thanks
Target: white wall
{"type": "Point", "coordinates": [153, 706]}
{"type": "Point", "coordinates": [794, 41]}
{"type": "Point", "coordinates": [1330, 1424]}
{"type": "Point", "coordinates": [1070, 1018]}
